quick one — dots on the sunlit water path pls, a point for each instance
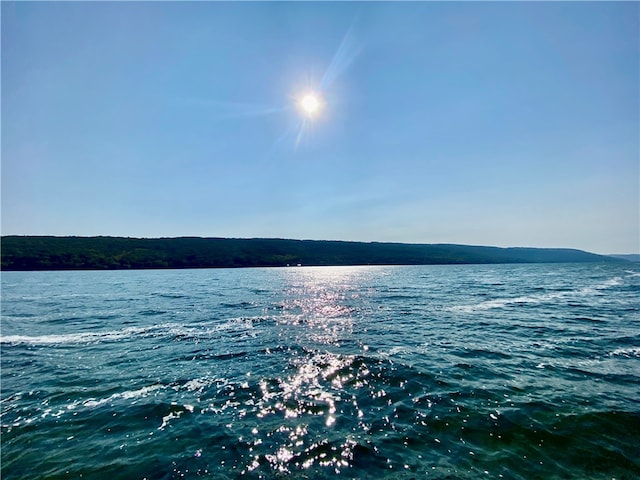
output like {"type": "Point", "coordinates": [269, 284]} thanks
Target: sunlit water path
{"type": "Point", "coordinates": [507, 371]}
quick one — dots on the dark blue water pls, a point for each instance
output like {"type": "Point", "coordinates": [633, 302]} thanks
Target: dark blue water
{"type": "Point", "coordinates": [508, 371]}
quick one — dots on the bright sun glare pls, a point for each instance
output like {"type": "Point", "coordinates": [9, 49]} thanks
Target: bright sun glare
{"type": "Point", "coordinates": [310, 104]}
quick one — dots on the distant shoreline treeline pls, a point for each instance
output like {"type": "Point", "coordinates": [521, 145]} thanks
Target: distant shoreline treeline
{"type": "Point", "coordinates": [116, 253]}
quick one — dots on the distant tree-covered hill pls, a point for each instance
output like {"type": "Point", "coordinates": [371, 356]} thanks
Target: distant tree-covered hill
{"type": "Point", "coordinates": [90, 253]}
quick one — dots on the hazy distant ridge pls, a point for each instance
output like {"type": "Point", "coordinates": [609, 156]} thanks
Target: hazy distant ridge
{"type": "Point", "coordinates": [85, 253]}
{"type": "Point", "coordinates": [631, 257]}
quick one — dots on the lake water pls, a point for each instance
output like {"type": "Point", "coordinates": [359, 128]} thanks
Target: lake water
{"type": "Point", "coordinates": [457, 372]}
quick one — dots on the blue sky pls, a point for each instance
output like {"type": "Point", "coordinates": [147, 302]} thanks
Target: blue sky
{"type": "Point", "coordinates": [509, 124]}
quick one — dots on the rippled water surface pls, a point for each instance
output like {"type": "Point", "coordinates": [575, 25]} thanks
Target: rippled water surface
{"type": "Point", "coordinates": [507, 371]}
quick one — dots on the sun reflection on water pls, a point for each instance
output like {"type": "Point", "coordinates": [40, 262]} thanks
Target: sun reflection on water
{"type": "Point", "coordinates": [323, 299]}
{"type": "Point", "coordinates": [300, 413]}
{"type": "Point", "coordinates": [306, 406]}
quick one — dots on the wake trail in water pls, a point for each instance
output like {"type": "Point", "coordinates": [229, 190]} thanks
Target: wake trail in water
{"type": "Point", "coordinates": [540, 298]}
{"type": "Point", "coordinates": [169, 330]}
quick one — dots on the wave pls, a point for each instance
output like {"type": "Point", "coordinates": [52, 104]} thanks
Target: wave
{"type": "Point", "coordinates": [70, 338]}
{"type": "Point", "coordinates": [317, 413]}
{"type": "Point", "coordinates": [126, 395]}
{"type": "Point", "coordinates": [173, 330]}
{"type": "Point", "coordinates": [505, 302]}
{"type": "Point", "coordinates": [626, 352]}
{"type": "Point", "coordinates": [538, 298]}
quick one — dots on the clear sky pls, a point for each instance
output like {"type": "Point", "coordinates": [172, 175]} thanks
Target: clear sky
{"type": "Point", "coordinates": [508, 124]}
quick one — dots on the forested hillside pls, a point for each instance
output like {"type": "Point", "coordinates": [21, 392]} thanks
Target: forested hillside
{"type": "Point", "coordinates": [85, 253]}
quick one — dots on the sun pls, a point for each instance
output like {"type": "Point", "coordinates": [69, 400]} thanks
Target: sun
{"type": "Point", "coordinates": [310, 104]}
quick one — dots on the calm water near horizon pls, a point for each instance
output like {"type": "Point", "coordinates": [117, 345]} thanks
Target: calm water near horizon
{"type": "Point", "coordinates": [441, 372]}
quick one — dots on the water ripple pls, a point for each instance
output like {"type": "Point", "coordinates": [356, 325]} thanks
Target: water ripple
{"type": "Point", "coordinates": [458, 372]}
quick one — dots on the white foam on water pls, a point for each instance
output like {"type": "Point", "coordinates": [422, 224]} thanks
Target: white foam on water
{"type": "Point", "coordinates": [167, 418]}
{"type": "Point", "coordinates": [60, 410]}
{"type": "Point", "coordinates": [505, 302]}
{"type": "Point", "coordinates": [126, 395]}
{"type": "Point", "coordinates": [70, 338]}
{"type": "Point", "coordinates": [200, 385]}
{"type": "Point", "coordinates": [194, 385]}
{"type": "Point", "coordinates": [612, 282]}
{"type": "Point", "coordinates": [626, 352]}
{"type": "Point", "coordinates": [537, 299]}
{"type": "Point", "coordinates": [165, 329]}
{"type": "Point", "coordinates": [394, 351]}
